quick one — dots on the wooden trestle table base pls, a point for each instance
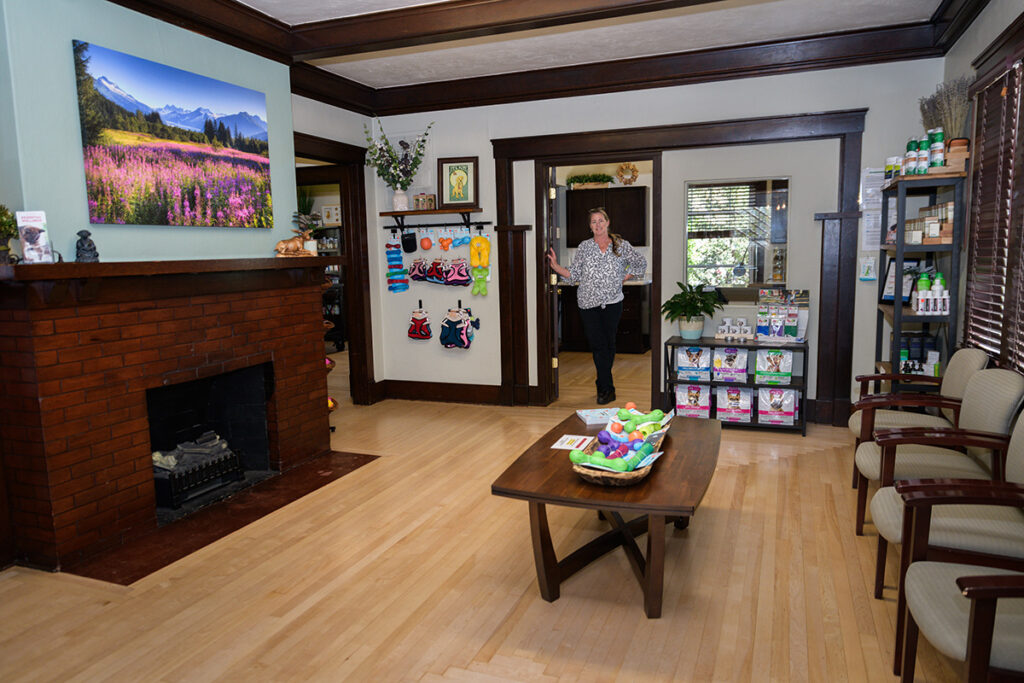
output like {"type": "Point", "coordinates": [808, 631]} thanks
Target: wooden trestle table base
{"type": "Point", "coordinates": [671, 493]}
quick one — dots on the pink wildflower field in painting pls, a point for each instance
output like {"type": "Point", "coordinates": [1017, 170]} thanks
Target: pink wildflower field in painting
{"type": "Point", "coordinates": [149, 181]}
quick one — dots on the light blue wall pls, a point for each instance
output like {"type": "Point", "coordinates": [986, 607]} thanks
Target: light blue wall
{"type": "Point", "coordinates": [41, 157]}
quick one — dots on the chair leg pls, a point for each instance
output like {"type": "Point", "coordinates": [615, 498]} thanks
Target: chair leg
{"type": "Point", "coordinates": [862, 502]}
{"type": "Point", "coordinates": [883, 546]}
{"type": "Point", "coordinates": [909, 650]}
{"type": "Point", "coordinates": [855, 473]}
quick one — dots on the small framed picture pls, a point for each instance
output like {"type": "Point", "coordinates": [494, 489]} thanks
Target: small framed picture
{"type": "Point", "coordinates": [457, 182]}
{"type": "Point", "coordinates": [332, 214]}
{"type": "Point", "coordinates": [889, 291]}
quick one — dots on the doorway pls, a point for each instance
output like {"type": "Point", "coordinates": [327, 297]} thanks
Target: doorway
{"type": "Point", "coordinates": [623, 188]}
{"type": "Point", "coordinates": [338, 166]}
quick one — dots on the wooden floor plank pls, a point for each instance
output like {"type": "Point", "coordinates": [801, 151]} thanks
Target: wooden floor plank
{"type": "Point", "coordinates": [408, 569]}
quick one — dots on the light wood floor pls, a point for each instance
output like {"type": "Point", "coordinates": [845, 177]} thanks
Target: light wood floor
{"type": "Point", "coordinates": [408, 569]}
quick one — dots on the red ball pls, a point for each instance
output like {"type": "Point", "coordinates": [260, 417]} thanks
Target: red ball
{"type": "Point", "coordinates": [630, 406]}
{"type": "Point", "coordinates": [616, 427]}
{"type": "Point", "coordinates": [425, 243]}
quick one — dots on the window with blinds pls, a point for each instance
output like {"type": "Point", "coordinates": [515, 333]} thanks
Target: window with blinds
{"type": "Point", "coordinates": [736, 232]}
{"type": "Point", "coordinates": [994, 311]}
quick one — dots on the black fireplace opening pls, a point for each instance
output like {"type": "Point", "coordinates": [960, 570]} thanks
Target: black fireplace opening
{"type": "Point", "coordinates": [209, 438]}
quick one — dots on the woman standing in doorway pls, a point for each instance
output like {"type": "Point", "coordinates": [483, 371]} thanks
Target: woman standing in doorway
{"type": "Point", "coordinates": [600, 266]}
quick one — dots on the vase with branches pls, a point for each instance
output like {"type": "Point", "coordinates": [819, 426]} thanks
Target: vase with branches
{"type": "Point", "coordinates": [396, 167]}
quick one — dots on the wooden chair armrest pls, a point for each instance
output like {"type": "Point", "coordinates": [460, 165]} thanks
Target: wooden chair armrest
{"type": "Point", "coordinates": [979, 493]}
{"type": "Point", "coordinates": [907, 399]}
{"type": "Point", "coordinates": [989, 587]}
{"type": "Point", "coordinates": [911, 485]}
{"type": "Point", "coordinates": [937, 436]}
{"type": "Point", "coordinates": [866, 380]}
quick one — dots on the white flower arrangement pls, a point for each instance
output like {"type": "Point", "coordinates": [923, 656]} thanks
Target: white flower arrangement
{"type": "Point", "coordinates": [395, 168]}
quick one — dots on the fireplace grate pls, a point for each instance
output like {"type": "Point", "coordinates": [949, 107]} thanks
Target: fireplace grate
{"type": "Point", "coordinates": [174, 487]}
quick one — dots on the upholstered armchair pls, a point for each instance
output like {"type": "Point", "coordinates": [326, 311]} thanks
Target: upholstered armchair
{"type": "Point", "coordinates": [971, 613]}
{"type": "Point", "coordinates": [877, 413]}
{"type": "Point", "coordinates": [990, 403]}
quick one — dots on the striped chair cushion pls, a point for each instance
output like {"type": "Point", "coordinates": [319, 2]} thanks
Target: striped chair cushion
{"type": "Point", "coordinates": [976, 528]}
{"type": "Point", "coordinates": [943, 613]}
{"type": "Point", "coordinates": [919, 462]}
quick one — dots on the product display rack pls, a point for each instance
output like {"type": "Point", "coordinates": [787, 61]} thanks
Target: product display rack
{"type": "Point", "coordinates": [334, 296]}
{"type": "Point", "coordinates": [798, 382]}
{"type": "Point", "coordinates": [899, 316]}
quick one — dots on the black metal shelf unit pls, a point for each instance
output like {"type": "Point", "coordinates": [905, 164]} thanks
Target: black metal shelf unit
{"type": "Point", "coordinates": [892, 312]}
{"type": "Point", "coordinates": [798, 384]}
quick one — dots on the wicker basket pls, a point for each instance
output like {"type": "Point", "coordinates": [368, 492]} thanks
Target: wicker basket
{"type": "Point", "coordinates": [606, 478]}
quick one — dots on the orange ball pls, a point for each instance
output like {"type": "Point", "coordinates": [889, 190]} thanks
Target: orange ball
{"type": "Point", "coordinates": [633, 436]}
{"type": "Point", "coordinates": [630, 406]}
{"type": "Point", "coordinates": [616, 427]}
{"type": "Point", "coordinates": [425, 243]}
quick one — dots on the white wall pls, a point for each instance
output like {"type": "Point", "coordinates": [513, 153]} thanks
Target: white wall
{"type": "Point", "coordinates": [996, 16]}
{"type": "Point", "coordinates": [889, 91]}
{"type": "Point", "coordinates": [42, 163]}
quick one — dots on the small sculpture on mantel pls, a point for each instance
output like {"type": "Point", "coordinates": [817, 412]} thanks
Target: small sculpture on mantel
{"type": "Point", "coordinates": [85, 248]}
{"type": "Point", "coordinates": [293, 246]}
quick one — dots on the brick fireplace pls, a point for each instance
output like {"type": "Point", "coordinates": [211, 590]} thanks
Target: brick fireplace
{"type": "Point", "coordinates": [80, 345]}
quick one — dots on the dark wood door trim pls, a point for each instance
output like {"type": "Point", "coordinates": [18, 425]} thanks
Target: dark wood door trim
{"type": "Point", "coordinates": [347, 172]}
{"type": "Point", "coordinates": [835, 359]}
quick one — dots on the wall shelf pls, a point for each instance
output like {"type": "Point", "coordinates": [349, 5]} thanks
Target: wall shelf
{"type": "Point", "coordinates": [467, 222]}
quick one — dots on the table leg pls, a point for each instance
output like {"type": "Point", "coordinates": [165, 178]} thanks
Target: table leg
{"type": "Point", "coordinates": [544, 553]}
{"type": "Point", "coordinates": [654, 577]}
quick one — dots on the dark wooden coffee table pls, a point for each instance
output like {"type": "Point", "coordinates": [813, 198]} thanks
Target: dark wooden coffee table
{"type": "Point", "coordinates": [670, 493]}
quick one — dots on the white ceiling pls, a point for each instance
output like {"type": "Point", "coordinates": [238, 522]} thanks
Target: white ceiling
{"type": "Point", "coordinates": [717, 24]}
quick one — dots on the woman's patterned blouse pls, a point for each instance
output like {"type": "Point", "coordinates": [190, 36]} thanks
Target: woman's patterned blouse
{"type": "Point", "coordinates": [600, 274]}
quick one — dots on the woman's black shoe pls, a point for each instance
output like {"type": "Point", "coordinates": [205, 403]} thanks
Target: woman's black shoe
{"type": "Point", "coordinates": [605, 397]}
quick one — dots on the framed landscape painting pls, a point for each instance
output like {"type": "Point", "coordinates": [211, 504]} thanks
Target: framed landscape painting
{"type": "Point", "coordinates": [164, 146]}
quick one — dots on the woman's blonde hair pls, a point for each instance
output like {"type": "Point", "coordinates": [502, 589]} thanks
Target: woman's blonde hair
{"type": "Point", "coordinates": [615, 237]}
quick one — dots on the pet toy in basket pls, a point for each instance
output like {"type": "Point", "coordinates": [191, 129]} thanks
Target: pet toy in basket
{"type": "Point", "coordinates": [622, 453]}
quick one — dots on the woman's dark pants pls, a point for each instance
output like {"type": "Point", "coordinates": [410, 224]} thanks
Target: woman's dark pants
{"type": "Point", "coordinates": [601, 324]}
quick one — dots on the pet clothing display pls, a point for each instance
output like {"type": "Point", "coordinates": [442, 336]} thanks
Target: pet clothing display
{"type": "Point", "coordinates": [693, 400]}
{"type": "Point", "coordinates": [418, 270]}
{"type": "Point", "coordinates": [458, 274]}
{"type": "Point", "coordinates": [733, 404]}
{"type": "Point", "coordinates": [397, 280]}
{"type": "Point", "coordinates": [693, 363]}
{"type": "Point", "coordinates": [774, 366]}
{"type": "Point", "coordinates": [457, 328]}
{"type": "Point", "coordinates": [436, 271]}
{"type": "Point", "coordinates": [776, 406]}
{"type": "Point", "coordinates": [730, 365]}
{"type": "Point", "coordinates": [419, 325]}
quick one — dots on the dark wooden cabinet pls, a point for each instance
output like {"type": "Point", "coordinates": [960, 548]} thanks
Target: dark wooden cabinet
{"type": "Point", "coordinates": [631, 337]}
{"type": "Point", "coordinates": [626, 206]}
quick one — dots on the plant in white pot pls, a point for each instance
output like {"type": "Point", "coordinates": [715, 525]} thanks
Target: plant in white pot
{"type": "Point", "coordinates": [688, 306]}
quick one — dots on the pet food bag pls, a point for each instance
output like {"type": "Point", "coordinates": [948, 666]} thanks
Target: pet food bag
{"type": "Point", "coordinates": [733, 404]}
{"type": "Point", "coordinates": [776, 406]}
{"type": "Point", "coordinates": [774, 366]}
{"type": "Point", "coordinates": [693, 400]}
{"type": "Point", "coordinates": [693, 364]}
{"type": "Point", "coordinates": [730, 364]}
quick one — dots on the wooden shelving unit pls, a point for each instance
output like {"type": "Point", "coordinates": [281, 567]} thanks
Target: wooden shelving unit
{"type": "Point", "coordinates": [898, 317]}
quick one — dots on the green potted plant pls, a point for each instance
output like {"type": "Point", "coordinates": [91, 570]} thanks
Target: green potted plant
{"type": "Point", "coordinates": [588, 180]}
{"type": "Point", "coordinates": [8, 231]}
{"type": "Point", "coordinates": [688, 306]}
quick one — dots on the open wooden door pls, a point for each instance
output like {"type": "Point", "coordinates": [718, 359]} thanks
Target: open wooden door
{"type": "Point", "coordinates": [551, 232]}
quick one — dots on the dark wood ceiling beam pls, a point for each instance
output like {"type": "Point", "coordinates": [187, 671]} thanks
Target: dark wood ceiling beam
{"type": "Point", "coordinates": [456, 20]}
{"type": "Point", "coordinates": [750, 131]}
{"type": "Point", "coordinates": [323, 86]}
{"type": "Point", "coordinates": [830, 51]}
{"type": "Point", "coordinates": [225, 20]}
{"type": "Point", "coordinates": [952, 17]}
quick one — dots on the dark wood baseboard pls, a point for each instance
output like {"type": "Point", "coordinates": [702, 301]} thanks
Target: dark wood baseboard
{"type": "Point", "coordinates": [486, 394]}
